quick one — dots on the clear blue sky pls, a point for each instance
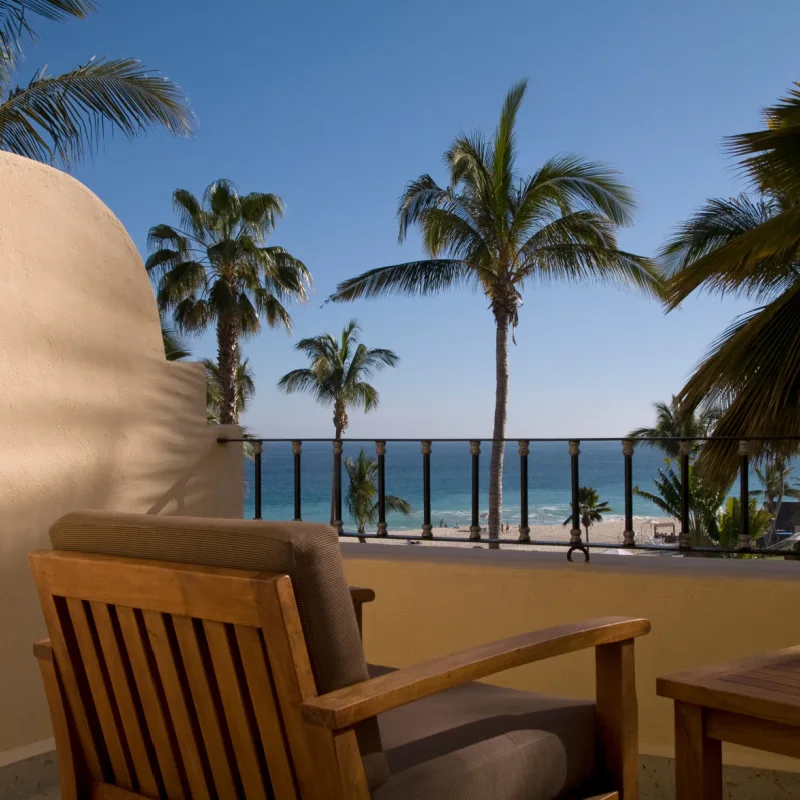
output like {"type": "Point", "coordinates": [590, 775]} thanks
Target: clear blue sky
{"type": "Point", "coordinates": [334, 106]}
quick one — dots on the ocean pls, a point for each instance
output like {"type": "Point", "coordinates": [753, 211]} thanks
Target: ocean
{"type": "Point", "coordinates": [549, 493]}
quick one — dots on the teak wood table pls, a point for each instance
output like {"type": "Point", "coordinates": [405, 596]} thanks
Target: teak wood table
{"type": "Point", "coordinates": [753, 702]}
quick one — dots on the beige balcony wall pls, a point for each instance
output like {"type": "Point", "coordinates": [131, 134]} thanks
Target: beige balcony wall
{"type": "Point", "coordinates": [431, 601]}
{"type": "Point", "coordinates": [91, 414]}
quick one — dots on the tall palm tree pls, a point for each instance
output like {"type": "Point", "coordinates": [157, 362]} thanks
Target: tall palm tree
{"type": "Point", "coordinates": [339, 374]}
{"type": "Point", "coordinates": [214, 269]}
{"type": "Point", "coordinates": [361, 495]}
{"type": "Point", "coordinates": [496, 231]}
{"type": "Point", "coordinates": [672, 422]}
{"type": "Point", "coordinates": [749, 246]}
{"type": "Point", "coordinates": [591, 508]}
{"type": "Point", "coordinates": [57, 119]}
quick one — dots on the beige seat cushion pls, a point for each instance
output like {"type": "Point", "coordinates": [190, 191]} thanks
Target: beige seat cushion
{"type": "Point", "coordinates": [308, 553]}
{"type": "Point", "coordinates": [478, 741]}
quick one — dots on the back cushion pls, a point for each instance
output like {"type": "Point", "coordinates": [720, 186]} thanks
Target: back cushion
{"type": "Point", "coordinates": [308, 553]}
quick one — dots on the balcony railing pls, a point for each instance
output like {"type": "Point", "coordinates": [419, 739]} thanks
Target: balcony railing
{"type": "Point", "coordinates": [575, 543]}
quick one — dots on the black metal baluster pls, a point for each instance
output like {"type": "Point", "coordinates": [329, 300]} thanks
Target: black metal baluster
{"type": "Point", "coordinates": [524, 528]}
{"type": "Point", "coordinates": [744, 495]}
{"type": "Point", "coordinates": [337, 484]}
{"type": "Point", "coordinates": [380, 448]}
{"type": "Point", "coordinates": [427, 528]}
{"type": "Point", "coordinates": [686, 533]}
{"type": "Point", "coordinates": [628, 536]}
{"type": "Point", "coordinates": [297, 449]}
{"type": "Point", "coordinates": [475, 528]}
{"type": "Point", "coordinates": [257, 448]}
{"type": "Point", "coordinates": [575, 542]}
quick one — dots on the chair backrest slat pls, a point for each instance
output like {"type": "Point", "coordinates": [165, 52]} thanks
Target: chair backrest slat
{"type": "Point", "coordinates": [104, 699]}
{"type": "Point", "coordinates": [179, 705]}
{"type": "Point", "coordinates": [150, 714]}
{"type": "Point", "coordinates": [118, 664]}
{"type": "Point", "coordinates": [265, 707]}
{"type": "Point", "coordinates": [212, 725]}
{"type": "Point", "coordinates": [173, 686]}
{"type": "Point", "coordinates": [236, 705]}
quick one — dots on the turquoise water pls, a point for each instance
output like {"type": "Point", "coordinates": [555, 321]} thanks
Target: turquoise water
{"type": "Point", "coordinates": [601, 467]}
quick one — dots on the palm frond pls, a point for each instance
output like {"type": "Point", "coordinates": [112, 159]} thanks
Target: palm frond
{"type": "Point", "coordinates": [574, 183]}
{"type": "Point", "coordinates": [503, 152]}
{"type": "Point", "coordinates": [741, 246]}
{"type": "Point", "coordinates": [591, 263]}
{"type": "Point", "coordinates": [771, 156]}
{"type": "Point", "coordinates": [60, 118]}
{"type": "Point", "coordinates": [15, 25]}
{"type": "Point", "coordinates": [175, 349]}
{"type": "Point", "coordinates": [413, 278]}
{"type": "Point", "coordinates": [753, 372]}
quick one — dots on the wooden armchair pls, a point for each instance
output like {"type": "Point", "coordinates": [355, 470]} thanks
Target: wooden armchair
{"type": "Point", "coordinates": [183, 680]}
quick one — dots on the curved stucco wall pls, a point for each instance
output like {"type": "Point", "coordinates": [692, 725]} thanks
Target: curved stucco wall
{"type": "Point", "coordinates": [91, 414]}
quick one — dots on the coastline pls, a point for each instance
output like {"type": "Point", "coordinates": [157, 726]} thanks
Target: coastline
{"type": "Point", "coordinates": [608, 532]}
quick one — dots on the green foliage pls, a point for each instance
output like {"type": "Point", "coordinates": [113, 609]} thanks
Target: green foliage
{"type": "Point", "coordinates": [215, 265]}
{"type": "Point", "coordinates": [60, 118]}
{"type": "Point", "coordinates": [214, 269]}
{"type": "Point", "coordinates": [502, 230]}
{"type": "Point", "coordinates": [362, 494]}
{"type": "Point", "coordinates": [704, 501]}
{"type": "Point", "coordinates": [591, 508]}
{"type": "Point", "coordinates": [339, 372]}
{"type": "Point", "coordinates": [730, 522]}
{"type": "Point", "coordinates": [245, 388]}
{"type": "Point", "coordinates": [175, 349]}
{"type": "Point", "coordinates": [671, 421]}
{"type": "Point", "coordinates": [748, 246]}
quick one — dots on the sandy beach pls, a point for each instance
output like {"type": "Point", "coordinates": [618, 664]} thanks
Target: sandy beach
{"type": "Point", "coordinates": [608, 532]}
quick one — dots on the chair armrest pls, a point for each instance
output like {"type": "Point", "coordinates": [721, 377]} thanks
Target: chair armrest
{"type": "Point", "coordinates": [43, 650]}
{"type": "Point", "coordinates": [361, 595]}
{"type": "Point", "coordinates": [346, 707]}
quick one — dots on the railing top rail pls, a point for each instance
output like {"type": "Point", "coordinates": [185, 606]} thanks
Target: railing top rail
{"type": "Point", "coordinates": [514, 440]}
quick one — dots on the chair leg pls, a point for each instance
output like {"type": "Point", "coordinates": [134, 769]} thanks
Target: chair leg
{"type": "Point", "coordinates": [698, 759]}
{"type": "Point", "coordinates": [618, 718]}
{"type": "Point", "coordinates": [65, 754]}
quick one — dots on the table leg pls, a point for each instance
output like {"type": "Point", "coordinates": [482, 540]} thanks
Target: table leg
{"type": "Point", "coordinates": [698, 759]}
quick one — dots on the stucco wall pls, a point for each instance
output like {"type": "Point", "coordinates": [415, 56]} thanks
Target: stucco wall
{"type": "Point", "coordinates": [432, 601]}
{"type": "Point", "coordinates": [91, 414]}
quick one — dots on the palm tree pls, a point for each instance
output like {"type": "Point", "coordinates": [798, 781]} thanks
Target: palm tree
{"type": "Point", "coordinates": [730, 522]}
{"type": "Point", "coordinates": [749, 246]}
{"type": "Point", "coordinates": [245, 389]}
{"type": "Point", "coordinates": [591, 508]}
{"type": "Point", "coordinates": [214, 269]}
{"type": "Point", "coordinates": [361, 493]}
{"type": "Point", "coordinates": [339, 374]}
{"type": "Point", "coordinates": [61, 117]}
{"type": "Point", "coordinates": [705, 500]}
{"type": "Point", "coordinates": [500, 232]}
{"type": "Point", "coordinates": [671, 422]}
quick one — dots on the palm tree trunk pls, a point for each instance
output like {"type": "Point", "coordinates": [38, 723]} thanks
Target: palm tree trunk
{"type": "Point", "coordinates": [499, 431]}
{"type": "Point", "coordinates": [228, 358]}
{"type": "Point", "coordinates": [333, 479]}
